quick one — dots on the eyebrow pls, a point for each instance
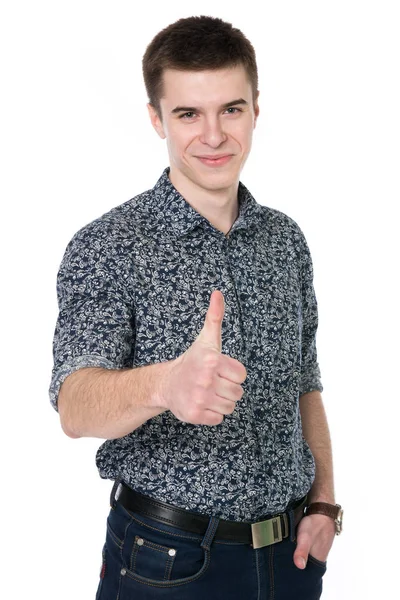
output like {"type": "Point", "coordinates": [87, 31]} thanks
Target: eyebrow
{"type": "Point", "coordinates": [179, 109]}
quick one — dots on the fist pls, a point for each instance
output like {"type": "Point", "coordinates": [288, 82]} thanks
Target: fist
{"type": "Point", "coordinates": [203, 384]}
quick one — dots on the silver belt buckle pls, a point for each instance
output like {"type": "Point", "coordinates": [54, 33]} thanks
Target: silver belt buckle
{"type": "Point", "coordinates": [265, 533]}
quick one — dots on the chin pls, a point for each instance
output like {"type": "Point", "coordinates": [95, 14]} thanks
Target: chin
{"type": "Point", "coordinates": [216, 183]}
{"type": "Point", "coordinates": [211, 179]}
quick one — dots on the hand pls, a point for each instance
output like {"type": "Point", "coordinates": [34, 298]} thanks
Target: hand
{"type": "Point", "coordinates": [203, 384]}
{"type": "Point", "coordinates": [315, 535]}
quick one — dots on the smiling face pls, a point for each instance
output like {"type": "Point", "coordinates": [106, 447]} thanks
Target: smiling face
{"type": "Point", "coordinates": [206, 115]}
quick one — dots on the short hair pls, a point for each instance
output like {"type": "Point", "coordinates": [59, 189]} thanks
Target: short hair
{"type": "Point", "coordinates": [196, 44]}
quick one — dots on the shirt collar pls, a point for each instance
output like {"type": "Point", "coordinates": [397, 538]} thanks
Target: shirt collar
{"type": "Point", "coordinates": [175, 215]}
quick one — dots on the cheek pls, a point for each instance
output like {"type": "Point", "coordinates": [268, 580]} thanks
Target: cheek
{"type": "Point", "coordinates": [242, 135]}
{"type": "Point", "coordinates": [181, 140]}
{"type": "Point", "coordinates": [246, 138]}
{"type": "Point", "coordinates": [242, 142]}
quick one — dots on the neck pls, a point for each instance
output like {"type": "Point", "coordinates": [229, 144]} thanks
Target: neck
{"type": "Point", "coordinates": [219, 206]}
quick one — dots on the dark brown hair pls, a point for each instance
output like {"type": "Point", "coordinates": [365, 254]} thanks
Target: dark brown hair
{"type": "Point", "coordinates": [196, 44]}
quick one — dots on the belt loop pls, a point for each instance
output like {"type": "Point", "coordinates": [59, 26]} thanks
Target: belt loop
{"type": "Point", "coordinates": [210, 533]}
{"type": "Point", "coordinates": [292, 533]}
{"type": "Point", "coordinates": [113, 498]}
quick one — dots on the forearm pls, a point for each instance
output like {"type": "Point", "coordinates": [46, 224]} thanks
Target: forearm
{"type": "Point", "coordinates": [105, 403]}
{"type": "Point", "coordinates": [316, 433]}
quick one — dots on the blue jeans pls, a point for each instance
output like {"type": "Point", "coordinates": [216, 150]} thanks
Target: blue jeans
{"type": "Point", "coordinates": [145, 559]}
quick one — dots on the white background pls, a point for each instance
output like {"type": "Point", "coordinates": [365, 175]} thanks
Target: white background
{"type": "Point", "coordinates": [76, 141]}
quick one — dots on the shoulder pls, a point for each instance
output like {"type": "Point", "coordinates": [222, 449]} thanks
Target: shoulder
{"type": "Point", "coordinates": [115, 230]}
{"type": "Point", "coordinates": [104, 249]}
{"type": "Point", "coordinates": [283, 226]}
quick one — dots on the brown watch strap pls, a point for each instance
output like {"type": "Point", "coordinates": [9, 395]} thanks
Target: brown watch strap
{"type": "Point", "coordinates": [323, 508]}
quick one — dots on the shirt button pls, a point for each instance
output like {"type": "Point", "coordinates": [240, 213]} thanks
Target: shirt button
{"type": "Point", "coordinates": [172, 552]}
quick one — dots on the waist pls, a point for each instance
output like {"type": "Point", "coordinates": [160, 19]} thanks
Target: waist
{"type": "Point", "coordinates": [270, 529]}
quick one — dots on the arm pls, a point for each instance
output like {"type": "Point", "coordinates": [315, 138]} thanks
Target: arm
{"type": "Point", "coordinates": [315, 533]}
{"type": "Point", "coordinates": [106, 403]}
{"type": "Point", "coordinates": [93, 386]}
{"type": "Point", "coordinates": [314, 422]}
{"type": "Point", "coordinates": [316, 432]}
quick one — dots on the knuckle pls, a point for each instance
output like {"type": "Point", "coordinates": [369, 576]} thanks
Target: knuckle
{"type": "Point", "coordinates": [242, 371]}
{"type": "Point", "coordinates": [211, 360]}
{"type": "Point", "coordinates": [199, 397]}
{"type": "Point", "coordinates": [216, 420]}
{"type": "Point", "coordinates": [206, 381]}
{"type": "Point", "coordinates": [236, 393]}
{"type": "Point", "coordinates": [193, 415]}
{"type": "Point", "coordinates": [200, 400]}
{"type": "Point", "coordinates": [231, 408]}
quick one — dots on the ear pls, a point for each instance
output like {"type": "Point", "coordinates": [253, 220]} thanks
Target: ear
{"type": "Point", "coordinates": [156, 121]}
{"type": "Point", "coordinates": [256, 110]}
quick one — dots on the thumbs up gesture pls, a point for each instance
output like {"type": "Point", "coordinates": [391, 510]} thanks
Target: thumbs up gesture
{"type": "Point", "coordinates": [203, 384]}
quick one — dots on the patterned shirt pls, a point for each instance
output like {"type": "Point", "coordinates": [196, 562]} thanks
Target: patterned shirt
{"type": "Point", "coordinates": [133, 289]}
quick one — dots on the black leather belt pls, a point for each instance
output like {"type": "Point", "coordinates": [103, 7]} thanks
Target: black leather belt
{"type": "Point", "coordinates": [270, 530]}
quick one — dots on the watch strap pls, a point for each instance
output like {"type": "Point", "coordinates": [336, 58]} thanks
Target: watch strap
{"type": "Point", "coordinates": [323, 508]}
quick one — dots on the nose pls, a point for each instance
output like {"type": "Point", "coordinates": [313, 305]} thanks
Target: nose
{"type": "Point", "coordinates": [212, 133]}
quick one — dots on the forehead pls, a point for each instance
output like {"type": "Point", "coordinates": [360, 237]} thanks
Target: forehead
{"type": "Point", "coordinates": [205, 87]}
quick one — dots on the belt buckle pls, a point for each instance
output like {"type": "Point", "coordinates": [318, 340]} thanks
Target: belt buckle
{"type": "Point", "coordinates": [265, 533]}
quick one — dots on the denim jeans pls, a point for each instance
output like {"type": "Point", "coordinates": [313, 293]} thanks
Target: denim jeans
{"type": "Point", "coordinates": [144, 559]}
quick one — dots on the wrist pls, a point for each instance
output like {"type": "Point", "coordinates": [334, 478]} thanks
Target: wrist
{"type": "Point", "coordinates": [328, 498]}
{"type": "Point", "coordinates": [162, 374]}
{"type": "Point", "coordinates": [325, 509]}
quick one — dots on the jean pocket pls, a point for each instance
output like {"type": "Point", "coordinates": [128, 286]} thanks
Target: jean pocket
{"type": "Point", "coordinates": [319, 563]}
{"type": "Point", "coordinates": [157, 554]}
{"type": "Point", "coordinates": [151, 560]}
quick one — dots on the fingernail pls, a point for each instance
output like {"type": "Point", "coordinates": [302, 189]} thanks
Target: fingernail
{"type": "Point", "coordinates": [303, 563]}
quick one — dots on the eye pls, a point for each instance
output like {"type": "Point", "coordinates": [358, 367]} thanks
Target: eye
{"type": "Point", "coordinates": [191, 114]}
{"type": "Point", "coordinates": [234, 108]}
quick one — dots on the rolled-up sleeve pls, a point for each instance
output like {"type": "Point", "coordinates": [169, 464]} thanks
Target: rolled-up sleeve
{"type": "Point", "coordinates": [310, 372]}
{"type": "Point", "coordinates": [95, 324]}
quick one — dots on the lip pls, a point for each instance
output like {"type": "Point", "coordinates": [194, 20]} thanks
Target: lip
{"type": "Point", "coordinates": [215, 161]}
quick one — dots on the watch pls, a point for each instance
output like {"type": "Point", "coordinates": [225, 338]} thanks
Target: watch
{"type": "Point", "coordinates": [334, 511]}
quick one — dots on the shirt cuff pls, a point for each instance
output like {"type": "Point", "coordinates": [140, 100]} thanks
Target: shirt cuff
{"type": "Point", "coordinates": [310, 382]}
{"type": "Point", "coordinates": [87, 360]}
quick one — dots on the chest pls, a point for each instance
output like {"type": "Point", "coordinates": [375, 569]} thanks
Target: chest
{"type": "Point", "coordinates": [174, 281]}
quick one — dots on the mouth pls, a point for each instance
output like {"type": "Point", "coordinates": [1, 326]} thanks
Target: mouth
{"type": "Point", "coordinates": [215, 162]}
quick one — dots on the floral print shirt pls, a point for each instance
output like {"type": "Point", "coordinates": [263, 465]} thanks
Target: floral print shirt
{"type": "Point", "coordinates": [133, 289]}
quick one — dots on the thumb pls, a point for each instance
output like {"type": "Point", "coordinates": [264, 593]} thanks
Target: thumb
{"type": "Point", "coordinates": [211, 334]}
{"type": "Point", "coordinates": [301, 553]}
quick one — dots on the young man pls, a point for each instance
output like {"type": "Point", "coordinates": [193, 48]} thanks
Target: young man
{"type": "Point", "coordinates": [186, 339]}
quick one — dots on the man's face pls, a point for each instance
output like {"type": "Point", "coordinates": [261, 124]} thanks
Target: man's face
{"type": "Point", "coordinates": [207, 114]}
